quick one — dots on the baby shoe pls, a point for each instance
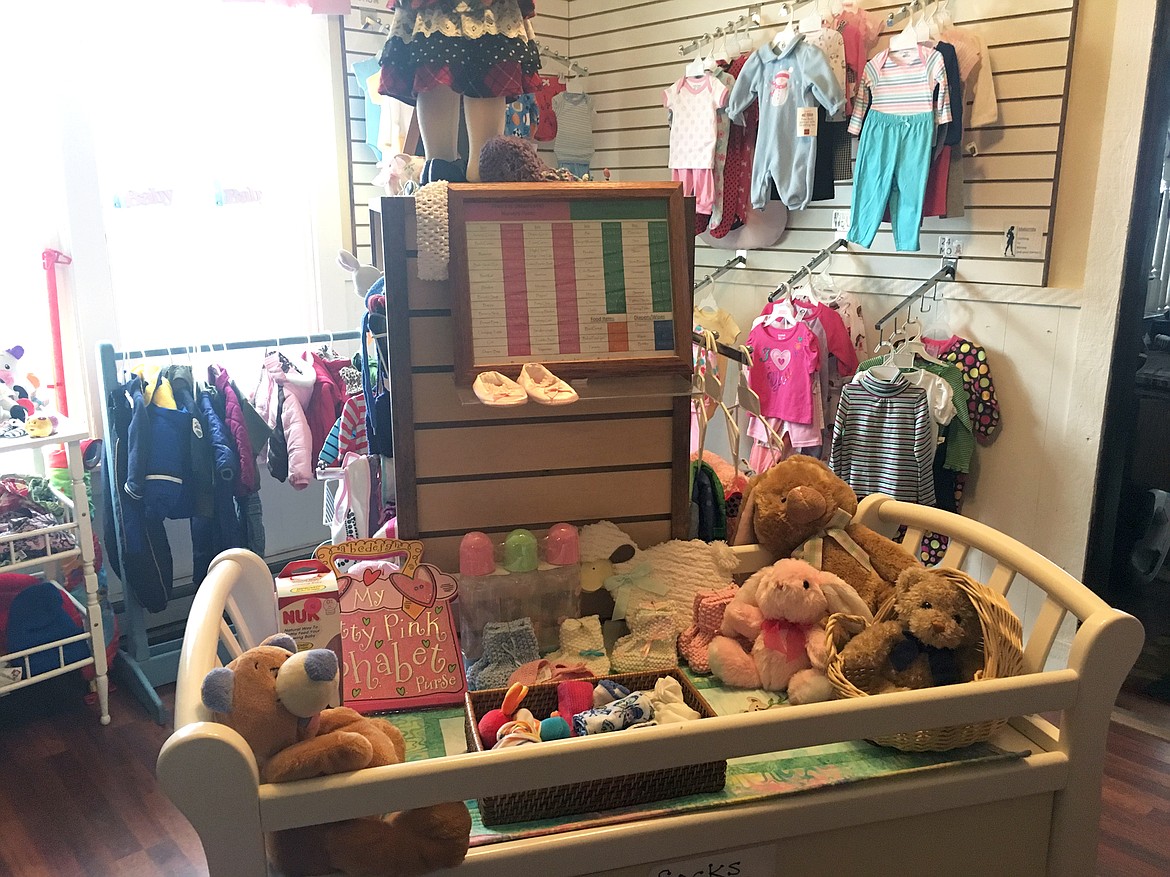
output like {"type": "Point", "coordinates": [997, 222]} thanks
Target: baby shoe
{"type": "Point", "coordinates": [544, 387]}
{"type": "Point", "coordinates": [506, 645]}
{"type": "Point", "coordinates": [493, 388]}
{"type": "Point", "coordinates": [709, 608]}
{"type": "Point", "coordinates": [582, 642]}
{"type": "Point", "coordinates": [650, 644]}
{"type": "Point", "coordinates": [441, 169]}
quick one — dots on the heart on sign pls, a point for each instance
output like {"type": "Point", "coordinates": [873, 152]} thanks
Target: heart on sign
{"type": "Point", "coordinates": [366, 620]}
{"type": "Point", "coordinates": [426, 643]}
{"type": "Point", "coordinates": [369, 576]}
{"type": "Point", "coordinates": [419, 588]}
{"type": "Point", "coordinates": [401, 691]}
{"type": "Point", "coordinates": [354, 692]}
{"type": "Point", "coordinates": [780, 359]}
{"type": "Point", "coordinates": [378, 643]}
{"type": "Point", "coordinates": [450, 668]}
{"type": "Point", "coordinates": [438, 610]}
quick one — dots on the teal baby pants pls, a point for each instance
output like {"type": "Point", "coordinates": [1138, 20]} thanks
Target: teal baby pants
{"type": "Point", "coordinates": [893, 161]}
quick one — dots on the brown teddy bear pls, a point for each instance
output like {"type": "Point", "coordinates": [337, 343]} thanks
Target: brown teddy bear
{"type": "Point", "coordinates": [934, 638]}
{"type": "Point", "coordinates": [799, 508]}
{"type": "Point", "coordinates": [275, 698]}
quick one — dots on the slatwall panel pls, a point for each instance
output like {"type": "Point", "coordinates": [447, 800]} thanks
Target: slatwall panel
{"type": "Point", "coordinates": [631, 48]}
{"type": "Point", "coordinates": [463, 466]}
{"type": "Point", "coordinates": [552, 30]}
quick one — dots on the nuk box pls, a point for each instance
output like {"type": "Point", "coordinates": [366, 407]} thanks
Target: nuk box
{"type": "Point", "coordinates": [308, 608]}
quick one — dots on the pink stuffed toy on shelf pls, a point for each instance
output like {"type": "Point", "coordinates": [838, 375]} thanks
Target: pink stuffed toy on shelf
{"type": "Point", "coordinates": [781, 611]}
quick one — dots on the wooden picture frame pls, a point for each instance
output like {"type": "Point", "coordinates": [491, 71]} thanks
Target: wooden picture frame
{"type": "Point", "coordinates": [570, 275]}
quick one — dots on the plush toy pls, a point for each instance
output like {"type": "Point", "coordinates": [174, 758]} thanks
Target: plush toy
{"type": "Point", "coordinates": [934, 638]}
{"type": "Point", "coordinates": [275, 698]}
{"type": "Point", "coordinates": [8, 364]}
{"type": "Point", "coordinates": [400, 174]}
{"type": "Point", "coordinates": [781, 610]}
{"type": "Point", "coordinates": [799, 508]}
{"type": "Point", "coordinates": [514, 160]}
{"type": "Point", "coordinates": [363, 276]}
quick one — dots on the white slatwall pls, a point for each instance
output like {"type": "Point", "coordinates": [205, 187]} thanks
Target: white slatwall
{"type": "Point", "coordinates": [552, 30]}
{"type": "Point", "coordinates": [631, 48]}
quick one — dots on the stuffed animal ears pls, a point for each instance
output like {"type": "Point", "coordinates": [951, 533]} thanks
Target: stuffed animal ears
{"type": "Point", "coordinates": [843, 598]}
{"type": "Point", "coordinates": [281, 641]}
{"type": "Point", "coordinates": [348, 260]}
{"type": "Point", "coordinates": [216, 692]}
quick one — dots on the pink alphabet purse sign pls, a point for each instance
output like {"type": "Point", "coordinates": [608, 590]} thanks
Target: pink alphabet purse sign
{"type": "Point", "coordinates": [398, 642]}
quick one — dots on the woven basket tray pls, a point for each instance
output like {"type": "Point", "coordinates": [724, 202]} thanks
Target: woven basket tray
{"type": "Point", "coordinates": [594, 795]}
{"type": "Point", "coordinates": [1003, 656]}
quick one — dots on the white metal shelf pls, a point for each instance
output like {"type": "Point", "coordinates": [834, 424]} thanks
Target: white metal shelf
{"type": "Point", "coordinates": [78, 522]}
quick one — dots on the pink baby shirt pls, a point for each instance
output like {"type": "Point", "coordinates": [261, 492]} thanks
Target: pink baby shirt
{"type": "Point", "coordinates": [782, 362]}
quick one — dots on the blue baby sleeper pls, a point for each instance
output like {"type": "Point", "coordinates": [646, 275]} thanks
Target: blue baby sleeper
{"type": "Point", "coordinates": [784, 83]}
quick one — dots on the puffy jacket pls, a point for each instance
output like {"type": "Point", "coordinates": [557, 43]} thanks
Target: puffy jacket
{"type": "Point", "coordinates": [248, 476]}
{"type": "Point", "coordinates": [297, 381]}
{"type": "Point", "coordinates": [328, 394]}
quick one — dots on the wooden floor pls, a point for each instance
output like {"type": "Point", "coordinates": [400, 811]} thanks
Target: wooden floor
{"type": "Point", "coordinates": [80, 799]}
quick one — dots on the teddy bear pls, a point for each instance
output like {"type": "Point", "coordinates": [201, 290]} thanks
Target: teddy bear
{"type": "Point", "coordinates": [781, 610]}
{"type": "Point", "coordinates": [276, 697]}
{"type": "Point", "coordinates": [799, 508]}
{"type": "Point", "coordinates": [935, 637]}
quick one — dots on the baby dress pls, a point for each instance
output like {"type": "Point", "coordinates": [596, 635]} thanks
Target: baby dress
{"type": "Point", "coordinates": [478, 48]}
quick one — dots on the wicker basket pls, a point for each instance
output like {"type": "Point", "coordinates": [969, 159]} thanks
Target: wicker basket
{"type": "Point", "coordinates": [1003, 656]}
{"type": "Point", "coordinates": [594, 795]}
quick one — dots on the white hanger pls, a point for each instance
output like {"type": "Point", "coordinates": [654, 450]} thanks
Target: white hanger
{"type": "Point", "coordinates": [828, 291]}
{"type": "Point", "coordinates": [942, 15]}
{"type": "Point", "coordinates": [698, 66]}
{"type": "Point", "coordinates": [812, 21]}
{"type": "Point", "coordinates": [908, 37]}
{"type": "Point", "coordinates": [784, 38]}
{"type": "Point", "coordinates": [721, 55]}
{"type": "Point", "coordinates": [744, 38]}
{"type": "Point", "coordinates": [933, 23]}
{"type": "Point", "coordinates": [922, 27]}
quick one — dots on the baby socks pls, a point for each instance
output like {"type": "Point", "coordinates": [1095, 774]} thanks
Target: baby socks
{"type": "Point", "coordinates": [709, 609]}
{"type": "Point", "coordinates": [650, 644]}
{"type": "Point", "coordinates": [506, 645]}
{"type": "Point", "coordinates": [582, 643]}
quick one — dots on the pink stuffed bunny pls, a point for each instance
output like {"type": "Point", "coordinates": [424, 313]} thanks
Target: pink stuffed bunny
{"type": "Point", "coordinates": [782, 611]}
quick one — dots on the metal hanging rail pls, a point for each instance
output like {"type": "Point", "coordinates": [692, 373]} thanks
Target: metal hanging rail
{"type": "Point", "coordinates": [946, 272]}
{"type": "Point", "coordinates": [740, 259]}
{"type": "Point", "coordinates": [751, 18]}
{"type": "Point", "coordinates": [319, 338]}
{"type": "Point", "coordinates": [730, 352]}
{"type": "Point", "coordinates": [573, 66]}
{"type": "Point", "coordinates": [807, 268]}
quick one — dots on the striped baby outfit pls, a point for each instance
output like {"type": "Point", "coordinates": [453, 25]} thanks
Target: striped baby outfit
{"type": "Point", "coordinates": [574, 141]}
{"type": "Point", "coordinates": [882, 440]}
{"type": "Point", "coordinates": [903, 87]}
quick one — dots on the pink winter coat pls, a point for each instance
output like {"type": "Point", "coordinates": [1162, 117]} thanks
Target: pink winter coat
{"type": "Point", "coordinates": [298, 384]}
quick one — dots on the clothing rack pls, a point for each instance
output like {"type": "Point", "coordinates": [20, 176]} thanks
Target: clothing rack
{"type": "Point", "coordinates": [572, 65]}
{"type": "Point", "coordinates": [740, 259]}
{"type": "Point", "coordinates": [807, 268]}
{"type": "Point", "coordinates": [730, 352]}
{"type": "Point", "coordinates": [369, 23]}
{"type": "Point", "coordinates": [946, 272]}
{"type": "Point", "coordinates": [150, 665]}
{"type": "Point", "coordinates": [751, 18]}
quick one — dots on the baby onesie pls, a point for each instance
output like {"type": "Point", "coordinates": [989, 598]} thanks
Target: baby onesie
{"type": "Point", "coordinates": [694, 103]}
{"type": "Point", "coordinates": [521, 115]}
{"type": "Point", "coordinates": [546, 127]}
{"type": "Point", "coordinates": [573, 146]}
{"type": "Point", "coordinates": [787, 85]}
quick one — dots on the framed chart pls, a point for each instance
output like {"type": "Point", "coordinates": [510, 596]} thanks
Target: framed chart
{"type": "Point", "coordinates": [588, 279]}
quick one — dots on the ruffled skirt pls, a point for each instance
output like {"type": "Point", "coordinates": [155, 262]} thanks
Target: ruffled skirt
{"type": "Point", "coordinates": [477, 52]}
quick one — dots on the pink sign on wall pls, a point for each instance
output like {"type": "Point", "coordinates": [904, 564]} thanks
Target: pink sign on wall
{"type": "Point", "coordinates": [398, 642]}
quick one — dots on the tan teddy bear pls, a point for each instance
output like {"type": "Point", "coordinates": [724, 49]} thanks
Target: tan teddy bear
{"type": "Point", "coordinates": [799, 508]}
{"type": "Point", "coordinates": [934, 638]}
{"type": "Point", "coordinates": [275, 698]}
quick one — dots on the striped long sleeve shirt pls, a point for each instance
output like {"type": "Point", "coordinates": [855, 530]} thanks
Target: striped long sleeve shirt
{"type": "Point", "coordinates": [882, 440]}
{"type": "Point", "coordinates": [904, 87]}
